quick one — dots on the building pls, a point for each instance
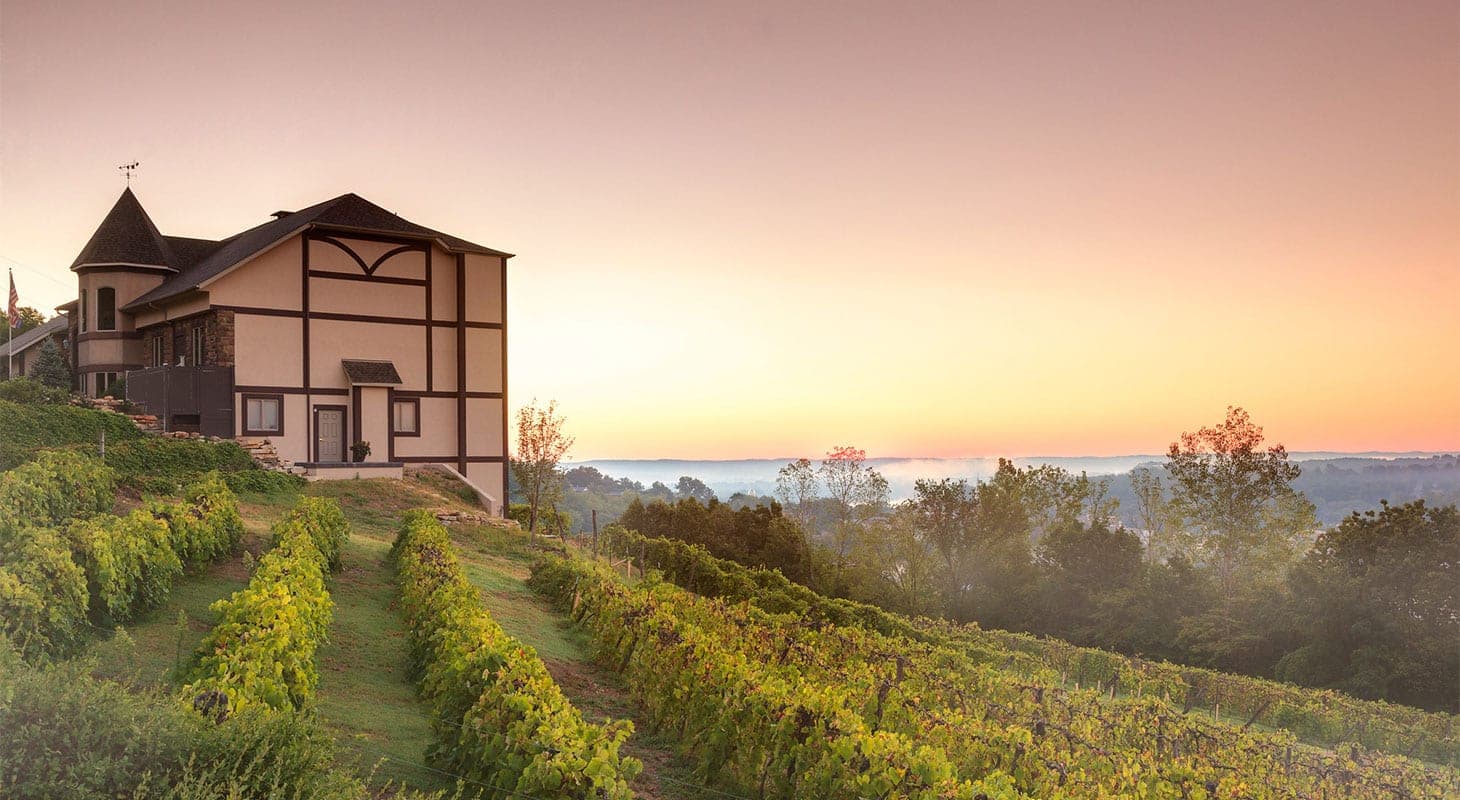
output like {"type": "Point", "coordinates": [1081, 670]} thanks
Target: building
{"type": "Point", "coordinates": [319, 329]}
{"type": "Point", "coordinates": [22, 352]}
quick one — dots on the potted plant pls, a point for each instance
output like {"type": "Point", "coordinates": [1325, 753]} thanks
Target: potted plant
{"type": "Point", "coordinates": [360, 450]}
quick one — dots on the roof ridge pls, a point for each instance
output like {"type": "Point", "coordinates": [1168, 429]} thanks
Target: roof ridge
{"type": "Point", "coordinates": [348, 211]}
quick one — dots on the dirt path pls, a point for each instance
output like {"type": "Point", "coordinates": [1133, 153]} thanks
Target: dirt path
{"type": "Point", "coordinates": [499, 569]}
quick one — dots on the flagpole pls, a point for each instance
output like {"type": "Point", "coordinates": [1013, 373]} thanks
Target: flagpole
{"type": "Point", "coordinates": [10, 330]}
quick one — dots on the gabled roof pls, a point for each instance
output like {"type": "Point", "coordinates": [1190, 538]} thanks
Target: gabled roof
{"type": "Point", "coordinates": [38, 333]}
{"type": "Point", "coordinates": [361, 371]}
{"type": "Point", "coordinates": [348, 212]}
{"type": "Point", "coordinates": [126, 236]}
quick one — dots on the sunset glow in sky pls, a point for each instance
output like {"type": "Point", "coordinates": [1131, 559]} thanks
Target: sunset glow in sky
{"type": "Point", "coordinates": [929, 229]}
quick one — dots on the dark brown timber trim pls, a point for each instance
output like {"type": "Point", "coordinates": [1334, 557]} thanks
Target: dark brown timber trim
{"type": "Point", "coordinates": [261, 312]}
{"type": "Point", "coordinates": [384, 257]}
{"type": "Point", "coordinates": [503, 300]}
{"type": "Point", "coordinates": [461, 459]}
{"type": "Point", "coordinates": [449, 459]}
{"type": "Point", "coordinates": [319, 390]}
{"type": "Point", "coordinates": [356, 432]}
{"type": "Point", "coordinates": [330, 315]}
{"type": "Point", "coordinates": [430, 357]}
{"type": "Point", "coordinates": [304, 334]}
{"type": "Point", "coordinates": [346, 276]}
{"type": "Point", "coordinates": [471, 395]}
{"type": "Point", "coordinates": [86, 337]}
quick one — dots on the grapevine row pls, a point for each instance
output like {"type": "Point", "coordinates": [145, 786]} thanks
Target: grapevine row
{"type": "Point", "coordinates": [61, 555]}
{"type": "Point", "coordinates": [1318, 716]}
{"type": "Point", "coordinates": [767, 731]}
{"type": "Point", "coordinates": [261, 652]}
{"type": "Point", "coordinates": [500, 719]}
{"type": "Point", "coordinates": [984, 722]}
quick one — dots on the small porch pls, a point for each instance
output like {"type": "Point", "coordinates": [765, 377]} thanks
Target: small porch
{"type": "Point", "coordinates": [347, 470]}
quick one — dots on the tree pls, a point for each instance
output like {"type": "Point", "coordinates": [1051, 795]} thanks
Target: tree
{"type": "Point", "coordinates": [895, 567]}
{"type": "Point", "coordinates": [1378, 597]}
{"type": "Point", "coordinates": [694, 488]}
{"type": "Point", "coordinates": [796, 486]}
{"type": "Point", "coordinates": [856, 492]}
{"type": "Point", "coordinates": [1084, 567]}
{"type": "Point", "coordinates": [50, 367]}
{"type": "Point", "coordinates": [1153, 512]}
{"type": "Point", "coordinates": [1237, 501]}
{"type": "Point", "coordinates": [29, 318]}
{"type": "Point", "coordinates": [999, 571]}
{"type": "Point", "coordinates": [541, 446]}
{"type": "Point", "coordinates": [943, 511]}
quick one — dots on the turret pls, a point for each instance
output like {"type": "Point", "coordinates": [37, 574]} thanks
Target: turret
{"type": "Point", "coordinates": [126, 257]}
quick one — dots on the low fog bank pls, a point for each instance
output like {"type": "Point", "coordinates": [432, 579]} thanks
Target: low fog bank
{"type": "Point", "coordinates": [1337, 483]}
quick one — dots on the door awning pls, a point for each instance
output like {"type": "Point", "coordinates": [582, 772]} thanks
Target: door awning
{"type": "Point", "coordinates": [363, 372]}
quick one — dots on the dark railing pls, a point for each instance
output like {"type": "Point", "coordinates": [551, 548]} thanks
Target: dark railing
{"type": "Point", "coordinates": [185, 398]}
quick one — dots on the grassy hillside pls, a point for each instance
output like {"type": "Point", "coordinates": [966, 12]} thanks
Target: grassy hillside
{"type": "Point", "coordinates": [366, 695]}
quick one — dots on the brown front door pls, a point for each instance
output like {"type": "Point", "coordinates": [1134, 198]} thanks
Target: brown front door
{"type": "Point", "coordinates": [329, 432]}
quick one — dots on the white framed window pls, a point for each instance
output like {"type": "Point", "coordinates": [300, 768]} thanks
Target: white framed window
{"type": "Point", "coordinates": [157, 352]}
{"type": "Point", "coordinates": [263, 414]}
{"type": "Point", "coordinates": [406, 416]}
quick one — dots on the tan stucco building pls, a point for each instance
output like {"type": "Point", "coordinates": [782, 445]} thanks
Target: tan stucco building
{"type": "Point", "coordinates": [337, 324]}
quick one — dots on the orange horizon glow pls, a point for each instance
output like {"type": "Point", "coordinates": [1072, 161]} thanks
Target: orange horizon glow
{"type": "Point", "coordinates": [765, 230]}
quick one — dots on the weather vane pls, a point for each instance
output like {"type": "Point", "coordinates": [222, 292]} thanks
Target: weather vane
{"type": "Point", "coordinates": [128, 169]}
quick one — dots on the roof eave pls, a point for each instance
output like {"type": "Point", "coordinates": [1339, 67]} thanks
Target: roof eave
{"type": "Point", "coordinates": [122, 265]}
{"type": "Point", "coordinates": [180, 296]}
{"type": "Point", "coordinates": [475, 248]}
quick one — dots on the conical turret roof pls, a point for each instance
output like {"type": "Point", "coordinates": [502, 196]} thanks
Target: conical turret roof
{"type": "Point", "coordinates": [126, 237]}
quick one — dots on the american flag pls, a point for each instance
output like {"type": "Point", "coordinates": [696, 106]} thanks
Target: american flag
{"type": "Point", "coordinates": [14, 311]}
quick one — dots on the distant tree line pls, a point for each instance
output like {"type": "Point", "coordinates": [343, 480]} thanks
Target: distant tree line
{"type": "Point", "coordinates": [1227, 568]}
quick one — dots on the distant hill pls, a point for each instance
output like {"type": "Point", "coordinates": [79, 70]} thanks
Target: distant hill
{"type": "Point", "coordinates": [1337, 483]}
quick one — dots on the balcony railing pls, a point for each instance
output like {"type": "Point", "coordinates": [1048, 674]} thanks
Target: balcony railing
{"type": "Point", "coordinates": [196, 399]}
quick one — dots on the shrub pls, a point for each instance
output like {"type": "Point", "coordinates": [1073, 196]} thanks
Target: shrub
{"type": "Point", "coordinates": [499, 717]}
{"type": "Point", "coordinates": [206, 524]}
{"type": "Point", "coordinates": [260, 753]}
{"type": "Point", "coordinates": [548, 520]}
{"type": "Point", "coordinates": [129, 561]}
{"type": "Point", "coordinates": [50, 366]}
{"type": "Point", "coordinates": [161, 464]}
{"type": "Point", "coordinates": [322, 520]}
{"type": "Point", "coordinates": [27, 428]}
{"type": "Point", "coordinates": [67, 734]}
{"type": "Point", "coordinates": [261, 653]}
{"type": "Point", "coordinates": [55, 488]}
{"type": "Point", "coordinates": [29, 391]}
{"type": "Point", "coordinates": [43, 596]}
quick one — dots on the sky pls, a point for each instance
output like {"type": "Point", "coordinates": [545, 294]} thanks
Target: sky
{"type": "Point", "coordinates": [925, 229]}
